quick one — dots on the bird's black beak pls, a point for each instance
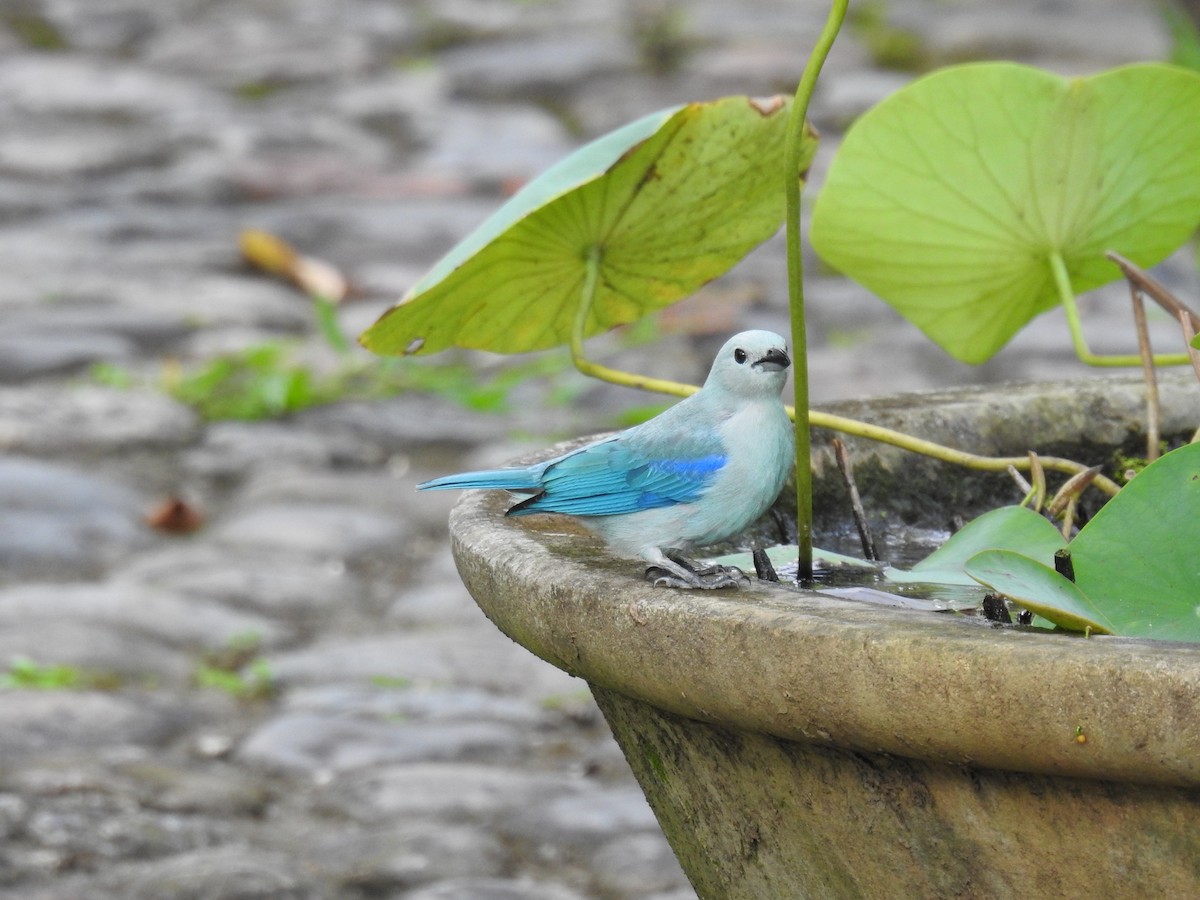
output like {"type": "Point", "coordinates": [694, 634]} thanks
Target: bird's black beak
{"type": "Point", "coordinates": [776, 360]}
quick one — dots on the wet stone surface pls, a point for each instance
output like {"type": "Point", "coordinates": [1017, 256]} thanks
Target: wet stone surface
{"type": "Point", "coordinates": [298, 699]}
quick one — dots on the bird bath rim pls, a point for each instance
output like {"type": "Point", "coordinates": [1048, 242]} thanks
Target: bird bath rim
{"type": "Point", "coordinates": [813, 668]}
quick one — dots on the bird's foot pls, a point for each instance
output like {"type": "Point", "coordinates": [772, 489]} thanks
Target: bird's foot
{"type": "Point", "coordinates": [677, 571]}
{"type": "Point", "coordinates": [729, 577]}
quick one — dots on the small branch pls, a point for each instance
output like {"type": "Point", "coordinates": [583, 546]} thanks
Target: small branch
{"type": "Point", "coordinates": [1153, 416]}
{"type": "Point", "coordinates": [1026, 489]}
{"type": "Point", "coordinates": [1189, 322]}
{"type": "Point", "coordinates": [1189, 332]}
{"type": "Point", "coordinates": [1037, 475]}
{"type": "Point", "coordinates": [1068, 518]}
{"type": "Point", "coordinates": [856, 507]}
{"type": "Point", "coordinates": [1067, 498]}
{"type": "Point", "coordinates": [1154, 289]}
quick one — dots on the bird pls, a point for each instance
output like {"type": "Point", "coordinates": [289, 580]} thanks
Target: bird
{"type": "Point", "coordinates": [696, 474]}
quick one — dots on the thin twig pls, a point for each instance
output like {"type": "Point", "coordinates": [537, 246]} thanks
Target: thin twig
{"type": "Point", "coordinates": [856, 507]}
{"type": "Point", "coordinates": [1154, 289]}
{"type": "Point", "coordinates": [1189, 334]}
{"type": "Point", "coordinates": [1023, 486]}
{"type": "Point", "coordinates": [1068, 518]}
{"type": "Point", "coordinates": [1064, 501]}
{"type": "Point", "coordinates": [1037, 476]}
{"type": "Point", "coordinates": [1153, 411]}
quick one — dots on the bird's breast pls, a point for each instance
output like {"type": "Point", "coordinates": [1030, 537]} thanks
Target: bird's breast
{"type": "Point", "coordinates": [760, 448]}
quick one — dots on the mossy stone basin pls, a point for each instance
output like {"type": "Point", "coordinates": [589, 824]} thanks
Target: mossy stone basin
{"type": "Point", "coordinates": [794, 744]}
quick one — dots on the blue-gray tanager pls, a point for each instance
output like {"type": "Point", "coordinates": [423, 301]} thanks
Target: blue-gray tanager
{"type": "Point", "coordinates": [696, 474]}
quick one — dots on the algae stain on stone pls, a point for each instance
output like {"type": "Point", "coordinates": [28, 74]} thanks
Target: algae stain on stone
{"type": "Point", "coordinates": [655, 762]}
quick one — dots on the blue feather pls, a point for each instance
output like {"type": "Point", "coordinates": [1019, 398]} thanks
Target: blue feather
{"type": "Point", "coordinates": [610, 479]}
{"type": "Point", "coordinates": [528, 479]}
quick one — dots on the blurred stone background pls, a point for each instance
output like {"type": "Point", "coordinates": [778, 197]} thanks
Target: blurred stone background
{"type": "Point", "coordinates": [297, 698]}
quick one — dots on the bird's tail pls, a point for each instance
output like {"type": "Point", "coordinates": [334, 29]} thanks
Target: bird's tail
{"type": "Point", "coordinates": [506, 479]}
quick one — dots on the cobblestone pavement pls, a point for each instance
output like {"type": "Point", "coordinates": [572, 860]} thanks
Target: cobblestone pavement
{"type": "Point", "coordinates": [299, 699]}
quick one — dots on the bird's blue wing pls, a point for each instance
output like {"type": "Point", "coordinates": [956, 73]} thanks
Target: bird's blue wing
{"type": "Point", "coordinates": [615, 477]}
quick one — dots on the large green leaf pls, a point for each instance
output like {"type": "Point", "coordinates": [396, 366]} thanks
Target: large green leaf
{"type": "Point", "coordinates": [1006, 528]}
{"type": "Point", "coordinates": [1139, 557]}
{"type": "Point", "coordinates": [671, 201]}
{"type": "Point", "coordinates": [949, 197]}
{"type": "Point", "coordinates": [1039, 589]}
{"type": "Point", "coordinates": [1136, 564]}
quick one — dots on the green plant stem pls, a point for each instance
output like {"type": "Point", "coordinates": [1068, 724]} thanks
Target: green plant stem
{"type": "Point", "coordinates": [811, 417]}
{"type": "Point", "coordinates": [947, 454]}
{"type": "Point", "coordinates": [1067, 294]}
{"type": "Point", "coordinates": [795, 269]}
{"type": "Point", "coordinates": [878, 433]}
{"type": "Point", "coordinates": [591, 279]}
{"type": "Point", "coordinates": [814, 417]}
{"type": "Point", "coordinates": [866, 430]}
{"type": "Point", "coordinates": [325, 310]}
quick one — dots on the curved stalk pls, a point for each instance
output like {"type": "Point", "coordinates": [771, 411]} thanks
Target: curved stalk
{"type": "Point", "coordinates": [816, 418]}
{"type": "Point", "coordinates": [1062, 281]}
{"type": "Point", "coordinates": [795, 269]}
{"type": "Point", "coordinates": [948, 454]}
{"type": "Point", "coordinates": [591, 280]}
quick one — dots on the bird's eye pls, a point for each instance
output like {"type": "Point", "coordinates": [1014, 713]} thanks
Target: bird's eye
{"type": "Point", "coordinates": [739, 356]}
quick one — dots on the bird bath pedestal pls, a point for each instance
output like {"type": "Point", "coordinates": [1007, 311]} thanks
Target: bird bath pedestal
{"type": "Point", "coordinates": [793, 744]}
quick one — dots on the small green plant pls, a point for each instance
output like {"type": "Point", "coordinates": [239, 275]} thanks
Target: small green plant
{"type": "Point", "coordinates": [398, 682]}
{"type": "Point", "coordinates": [890, 47]}
{"type": "Point", "coordinates": [257, 383]}
{"type": "Point", "coordinates": [255, 91]}
{"type": "Point", "coordinates": [112, 375]}
{"type": "Point", "coordinates": [268, 381]}
{"type": "Point", "coordinates": [255, 682]}
{"type": "Point", "coordinates": [1185, 37]}
{"type": "Point", "coordinates": [566, 702]}
{"type": "Point", "coordinates": [33, 29]}
{"type": "Point", "coordinates": [237, 669]}
{"type": "Point", "coordinates": [659, 32]}
{"type": "Point", "coordinates": [1125, 467]}
{"type": "Point", "coordinates": [25, 674]}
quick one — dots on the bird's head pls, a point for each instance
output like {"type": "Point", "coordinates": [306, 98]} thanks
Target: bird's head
{"type": "Point", "coordinates": [751, 364]}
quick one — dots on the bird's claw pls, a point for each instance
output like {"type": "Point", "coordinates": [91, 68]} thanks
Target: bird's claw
{"type": "Point", "coordinates": [708, 578]}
